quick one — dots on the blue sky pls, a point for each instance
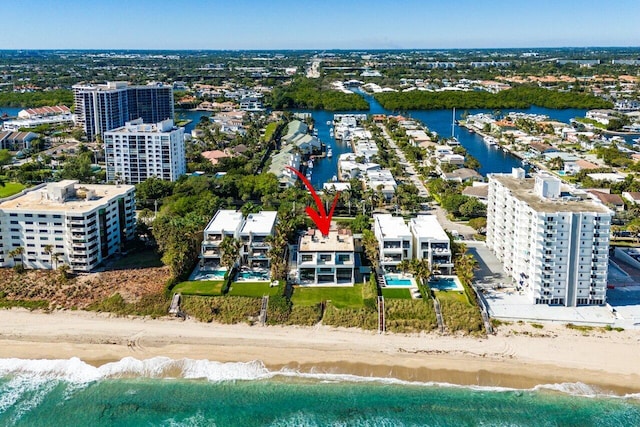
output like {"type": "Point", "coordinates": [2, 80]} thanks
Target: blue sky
{"type": "Point", "coordinates": [320, 24]}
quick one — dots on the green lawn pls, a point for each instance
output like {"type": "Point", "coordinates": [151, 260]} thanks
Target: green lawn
{"type": "Point", "coordinates": [340, 297]}
{"type": "Point", "coordinates": [452, 295]}
{"type": "Point", "coordinates": [252, 289]}
{"type": "Point", "coordinates": [396, 293]}
{"type": "Point", "coordinates": [270, 129]}
{"type": "Point", "coordinates": [200, 287]}
{"type": "Point", "coordinates": [11, 188]}
{"type": "Point", "coordinates": [142, 259]}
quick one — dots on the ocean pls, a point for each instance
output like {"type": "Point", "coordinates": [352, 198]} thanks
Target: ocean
{"type": "Point", "coordinates": [166, 392]}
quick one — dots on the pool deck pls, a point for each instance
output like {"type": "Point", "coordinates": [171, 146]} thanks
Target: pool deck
{"type": "Point", "coordinates": [455, 279]}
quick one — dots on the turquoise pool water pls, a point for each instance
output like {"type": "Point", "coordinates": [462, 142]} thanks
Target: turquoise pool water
{"type": "Point", "coordinates": [445, 284]}
{"type": "Point", "coordinates": [395, 280]}
{"type": "Point", "coordinates": [248, 276]}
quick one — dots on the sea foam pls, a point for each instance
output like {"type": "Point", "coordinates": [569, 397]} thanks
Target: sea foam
{"type": "Point", "coordinates": [32, 373]}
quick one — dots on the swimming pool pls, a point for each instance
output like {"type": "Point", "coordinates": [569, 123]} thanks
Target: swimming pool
{"type": "Point", "coordinates": [253, 276]}
{"type": "Point", "coordinates": [398, 280]}
{"type": "Point", "coordinates": [446, 283]}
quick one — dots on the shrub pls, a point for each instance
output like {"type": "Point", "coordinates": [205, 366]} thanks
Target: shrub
{"type": "Point", "coordinates": [278, 310]}
{"type": "Point", "coordinates": [305, 315]}
{"type": "Point", "coordinates": [364, 317]}
{"type": "Point", "coordinates": [153, 305]}
{"type": "Point", "coordinates": [460, 316]}
{"type": "Point", "coordinates": [405, 315]}
{"type": "Point", "coordinates": [228, 309]}
{"type": "Point", "coordinates": [28, 304]}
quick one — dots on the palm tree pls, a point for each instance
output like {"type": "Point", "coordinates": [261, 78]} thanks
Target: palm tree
{"type": "Point", "coordinates": [230, 248]}
{"type": "Point", "coordinates": [371, 248]}
{"type": "Point", "coordinates": [421, 269]}
{"type": "Point", "coordinates": [48, 249]}
{"type": "Point", "coordinates": [465, 265]}
{"type": "Point", "coordinates": [19, 251]}
{"type": "Point", "coordinates": [404, 266]}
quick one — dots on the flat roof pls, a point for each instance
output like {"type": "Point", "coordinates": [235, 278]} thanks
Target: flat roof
{"type": "Point", "coordinates": [523, 189]}
{"type": "Point", "coordinates": [392, 226]}
{"type": "Point", "coordinates": [428, 226]}
{"type": "Point", "coordinates": [314, 241]}
{"type": "Point", "coordinates": [38, 199]}
{"type": "Point", "coordinates": [225, 219]}
{"type": "Point", "coordinates": [259, 223]}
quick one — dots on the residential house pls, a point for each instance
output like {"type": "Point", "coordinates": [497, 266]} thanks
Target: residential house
{"type": "Point", "coordinates": [431, 242]}
{"type": "Point", "coordinates": [394, 239]}
{"type": "Point", "coordinates": [326, 260]}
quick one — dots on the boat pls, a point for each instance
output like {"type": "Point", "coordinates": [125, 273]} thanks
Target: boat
{"type": "Point", "coordinates": [334, 178]}
{"type": "Point", "coordinates": [329, 152]}
{"type": "Point", "coordinates": [471, 130]}
{"type": "Point", "coordinates": [328, 122]}
{"type": "Point", "coordinates": [308, 174]}
{"type": "Point", "coordinates": [453, 141]}
{"type": "Point", "coordinates": [310, 164]}
{"type": "Point", "coordinates": [491, 141]}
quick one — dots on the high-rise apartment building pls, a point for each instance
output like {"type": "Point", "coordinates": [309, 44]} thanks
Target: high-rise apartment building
{"type": "Point", "coordinates": [552, 242]}
{"type": "Point", "coordinates": [137, 151]}
{"type": "Point", "coordinates": [99, 108]}
{"type": "Point", "coordinates": [65, 222]}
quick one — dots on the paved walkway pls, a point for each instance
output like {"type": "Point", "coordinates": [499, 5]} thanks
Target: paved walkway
{"type": "Point", "coordinates": [414, 176]}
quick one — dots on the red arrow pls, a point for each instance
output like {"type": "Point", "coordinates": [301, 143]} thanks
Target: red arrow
{"type": "Point", "coordinates": [320, 218]}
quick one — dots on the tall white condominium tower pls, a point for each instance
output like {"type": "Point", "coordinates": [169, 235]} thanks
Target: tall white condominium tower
{"type": "Point", "coordinates": [66, 223]}
{"type": "Point", "coordinates": [137, 151]}
{"type": "Point", "coordinates": [99, 108]}
{"type": "Point", "coordinates": [552, 242]}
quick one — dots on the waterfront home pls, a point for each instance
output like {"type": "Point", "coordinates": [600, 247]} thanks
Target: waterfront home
{"type": "Point", "coordinates": [365, 148]}
{"type": "Point", "coordinates": [214, 156]}
{"type": "Point", "coordinates": [254, 236]}
{"type": "Point", "coordinates": [382, 180]}
{"type": "Point", "coordinates": [575, 166]}
{"type": "Point", "coordinates": [394, 239]}
{"type": "Point", "coordinates": [14, 141]}
{"type": "Point", "coordinates": [288, 156]}
{"type": "Point", "coordinates": [540, 148]}
{"type": "Point", "coordinates": [225, 223]}
{"type": "Point", "coordinates": [462, 175]}
{"type": "Point", "coordinates": [431, 242]}
{"type": "Point", "coordinates": [297, 135]}
{"type": "Point", "coordinates": [326, 260]}
{"type": "Point", "coordinates": [349, 168]}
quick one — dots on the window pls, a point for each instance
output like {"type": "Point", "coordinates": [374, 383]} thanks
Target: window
{"type": "Point", "coordinates": [307, 257]}
{"type": "Point", "coordinates": [14, 222]}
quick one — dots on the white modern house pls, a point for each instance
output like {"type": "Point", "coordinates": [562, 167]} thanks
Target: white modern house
{"type": "Point", "coordinates": [552, 242]}
{"type": "Point", "coordinates": [326, 260]}
{"type": "Point", "coordinates": [138, 150]}
{"type": "Point", "coordinates": [382, 180]}
{"type": "Point", "coordinates": [253, 234]}
{"type": "Point", "coordinates": [394, 239]}
{"type": "Point", "coordinates": [66, 223]}
{"type": "Point", "coordinates": [431, 242]}
{"type": "Point", "coordinates": [225, 223]}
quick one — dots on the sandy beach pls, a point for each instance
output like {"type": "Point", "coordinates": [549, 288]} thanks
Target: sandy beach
{"type": "Point", "coordinates": [519, 356]}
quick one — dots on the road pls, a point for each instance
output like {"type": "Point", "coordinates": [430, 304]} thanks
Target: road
{"type": "Point", "coordinates": [414, 176]}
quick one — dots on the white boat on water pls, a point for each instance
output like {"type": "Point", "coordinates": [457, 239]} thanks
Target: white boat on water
{"type": "Point", "coordinates": [310, 164]}
{"type": "Point", "coordinates": [328, 122]}
{"type": "Point", "coordinates": [329, 152]}
{"type": "Point", "coordinates": [491, 141]}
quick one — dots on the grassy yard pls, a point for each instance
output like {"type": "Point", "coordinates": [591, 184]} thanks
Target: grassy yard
{"type": "Point", "coordinates": [200, 287]}
{"type": "Point", "coordinates": [452, 295]}
{"type": "Point", "coordinates": [339, 296]}
{"type": "Point", "coordinates": [252, 289]}
{"type": "Point", "coordinates": [396, 293]}
{"type": "Point", "coordinates": [142, 259]}
{"type": "Point", "coordinates": [11, 188]}
{"type": "Point", "coordinates": [270, 129]}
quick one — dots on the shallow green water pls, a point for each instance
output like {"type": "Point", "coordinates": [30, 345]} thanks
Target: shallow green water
{"type": "Point", "coordinates": [38, 398]}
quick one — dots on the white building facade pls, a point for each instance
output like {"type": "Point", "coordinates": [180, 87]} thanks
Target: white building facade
{"type": "Point", "coordinates": [394, 239]}
{"type": "Point", "coordinates": [66, 223]}
{"type": "Point", "coordinates": [553, 245]}
{"type": "Point", "coordinates": [431, 242]}
{"type": "Point", "coordinates": [326, 260]}
{"type": "Point", "coordinates": [254, 235]}
{"type": "Point", "coordinates": [225, 223]}
{"type": "Point", "coordinates": [137, 151]}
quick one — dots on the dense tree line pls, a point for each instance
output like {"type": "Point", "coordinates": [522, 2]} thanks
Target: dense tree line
{"type": "Point", "coordinates": [310, 93]}
{"type": "Point", "coordinates": [517, 97]}
{"type": "Point", "coordinates": [37, 99]}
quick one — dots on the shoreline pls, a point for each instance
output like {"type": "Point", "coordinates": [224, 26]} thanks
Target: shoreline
{"type": "Point", "coordinates": [511, 359]}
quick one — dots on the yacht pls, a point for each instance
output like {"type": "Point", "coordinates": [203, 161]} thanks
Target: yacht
{"type": "Point", "coordinates": [329, 152]}
{"type": "Point", "coordinates": [328, 122]}
{"type": "Point", "coordinates": [491, 141]}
